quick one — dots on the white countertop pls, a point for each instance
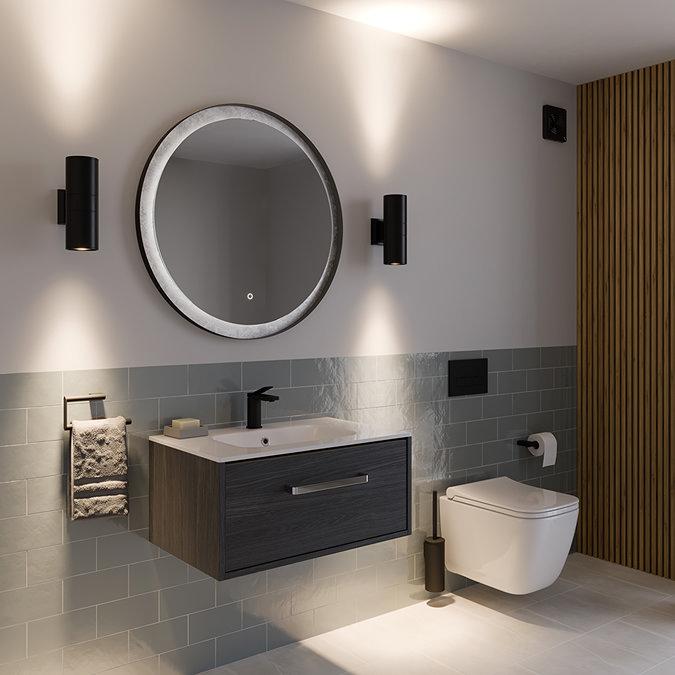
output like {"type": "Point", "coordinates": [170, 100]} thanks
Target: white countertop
{"type": "Point", "coordinates": [316, 434]}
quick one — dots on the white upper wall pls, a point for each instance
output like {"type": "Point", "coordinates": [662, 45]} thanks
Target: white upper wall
{"type": "Point", "coordinates": [491, 206]}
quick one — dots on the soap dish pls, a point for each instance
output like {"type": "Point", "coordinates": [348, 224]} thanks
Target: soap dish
{"type": "Point", "coordinates": [190, 432]}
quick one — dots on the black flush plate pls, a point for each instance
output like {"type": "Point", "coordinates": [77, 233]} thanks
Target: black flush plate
{"type": "Point", "coordinates": [554, 123]}
{"type": "Point", "coordinates": [467, 376]}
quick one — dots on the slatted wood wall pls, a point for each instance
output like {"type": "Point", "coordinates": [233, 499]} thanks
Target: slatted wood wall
{"type": "Point", "coordinates": [626, 342]}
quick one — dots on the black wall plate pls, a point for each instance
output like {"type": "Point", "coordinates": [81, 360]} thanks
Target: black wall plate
{"type": "Point", "coordinates": [467, 376]}
{"type": "Point", "coordinates": [554, 123]}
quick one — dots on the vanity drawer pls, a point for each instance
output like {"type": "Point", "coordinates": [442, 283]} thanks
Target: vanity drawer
{"type": "Point", "coordinates": [345, 497]}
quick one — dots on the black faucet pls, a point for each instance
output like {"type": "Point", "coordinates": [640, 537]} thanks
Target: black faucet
{"type": "Point", "coordinates": [253, 401]}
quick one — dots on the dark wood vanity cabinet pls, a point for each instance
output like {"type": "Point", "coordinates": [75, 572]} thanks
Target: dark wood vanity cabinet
{"type": "Point", "coordinates": [231, 518]}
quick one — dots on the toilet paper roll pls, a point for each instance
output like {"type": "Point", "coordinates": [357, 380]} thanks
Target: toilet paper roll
{"type": "Point", "coordinates": [548, 447]}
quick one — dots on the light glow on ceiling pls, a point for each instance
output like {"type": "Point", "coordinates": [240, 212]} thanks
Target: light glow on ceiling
{"type": "Point", "coordinates": [427, 21]}
{"type": "Point", "coordinates": [431, 20]}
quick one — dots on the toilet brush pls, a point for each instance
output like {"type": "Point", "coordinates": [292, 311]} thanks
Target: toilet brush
{"type": "Point", "coordinates": [434, 549]}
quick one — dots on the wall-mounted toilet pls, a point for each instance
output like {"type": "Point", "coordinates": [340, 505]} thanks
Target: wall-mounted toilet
{"type": "Point", "coordinates": [507, 535]}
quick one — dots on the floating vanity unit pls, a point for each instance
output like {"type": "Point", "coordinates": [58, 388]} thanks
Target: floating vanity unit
{"type": "Point", "coordinates": [242, 500]}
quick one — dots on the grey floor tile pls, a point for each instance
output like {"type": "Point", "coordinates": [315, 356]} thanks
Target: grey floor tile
{"type": "Point", "coordinates": [665, 668]}
{"type": "Point", "coordinates": [620, 643]}
{"type": "Point", "coordinates": [480, 631]}
{"type": "Point", "coordinates": [657, 618]}
{"type": "Point", "coordinates": [573, 659]}
{"type": "Point", "coordinates": [582, 608]}
{"type": "Point", "coordinates": [408, 662]}
{"type": "Point", "coordinates": [301, 659]}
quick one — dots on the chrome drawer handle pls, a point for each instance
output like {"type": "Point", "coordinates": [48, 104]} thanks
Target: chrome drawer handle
{"type": "Point", "coordinates": [329, 485]}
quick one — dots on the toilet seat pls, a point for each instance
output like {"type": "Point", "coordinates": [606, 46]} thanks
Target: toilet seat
{"type": "Point", "coordinates": [506, 496]}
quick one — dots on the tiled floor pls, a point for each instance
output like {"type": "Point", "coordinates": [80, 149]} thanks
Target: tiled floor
{"type": "Point", "coordinates": [598, 619]}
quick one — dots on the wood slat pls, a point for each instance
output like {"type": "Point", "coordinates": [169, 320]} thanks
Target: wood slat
{"type": "Point", "coordinates": [626, 351]}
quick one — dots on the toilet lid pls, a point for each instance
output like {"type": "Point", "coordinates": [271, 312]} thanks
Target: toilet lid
{"type": "Point", "coordinates": [508, 496]}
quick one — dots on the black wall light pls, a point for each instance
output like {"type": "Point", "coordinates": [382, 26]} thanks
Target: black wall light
{"type": "Point", "coordinates": [78, 204]}
{"type": "Point", "coordinates": [391, 231]}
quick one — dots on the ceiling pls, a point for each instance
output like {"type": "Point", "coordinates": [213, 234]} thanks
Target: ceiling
{"type": "Point", "coordinates": [575, 41]}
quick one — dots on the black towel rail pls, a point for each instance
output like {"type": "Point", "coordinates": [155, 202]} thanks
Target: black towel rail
{"type": "Point", "coordinates": [67, 426]}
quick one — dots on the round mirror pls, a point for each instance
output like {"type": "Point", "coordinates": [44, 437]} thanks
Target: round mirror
{"type": "Point", "coordinates": [239, 221]}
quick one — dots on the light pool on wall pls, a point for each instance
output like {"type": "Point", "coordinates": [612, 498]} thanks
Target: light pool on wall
{"type": "Point", "coordinates": [69, 326]}
{"type": "Point", "coordinates": [380, 92]}
{"type": "Point", "coordinates": [379, 328]}
{"type": "Point", "coordinates": [73, 43]}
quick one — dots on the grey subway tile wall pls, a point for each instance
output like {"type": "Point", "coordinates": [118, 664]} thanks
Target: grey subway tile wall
{"type": "Point", "coordinates": [93, 596]}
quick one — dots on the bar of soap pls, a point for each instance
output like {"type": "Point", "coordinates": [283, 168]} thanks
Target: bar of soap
{"type": "Point", "coordinates": [185, 423]}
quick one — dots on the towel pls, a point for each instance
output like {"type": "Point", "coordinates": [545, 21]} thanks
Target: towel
{"type": "Point", "coordinates": [97, 482]}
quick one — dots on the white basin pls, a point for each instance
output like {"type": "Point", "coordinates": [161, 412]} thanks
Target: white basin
{"type": "Point", "coordinates": [236, 443]}
{"type": "Point", "coordinates": [323, 430]}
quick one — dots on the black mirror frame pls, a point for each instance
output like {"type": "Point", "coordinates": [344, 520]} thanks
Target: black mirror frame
{"type": "Point", "coordinates": [147, 234]}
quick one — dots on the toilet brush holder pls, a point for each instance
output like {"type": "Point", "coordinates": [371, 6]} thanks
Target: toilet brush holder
{"type": "Point", "coordinates": [434, 556]}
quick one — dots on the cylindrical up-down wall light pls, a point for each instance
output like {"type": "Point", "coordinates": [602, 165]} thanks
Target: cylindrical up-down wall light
{"type": "Point", "coordinates": [391, 231]}
{"type": "Point", "coordinates": [78, 203]}
{"type": "Point", "coordinates": [395, 229]}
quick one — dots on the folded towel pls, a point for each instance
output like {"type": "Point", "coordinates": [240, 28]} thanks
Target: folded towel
{"type": "Point", "coordinates": [97, 482]}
